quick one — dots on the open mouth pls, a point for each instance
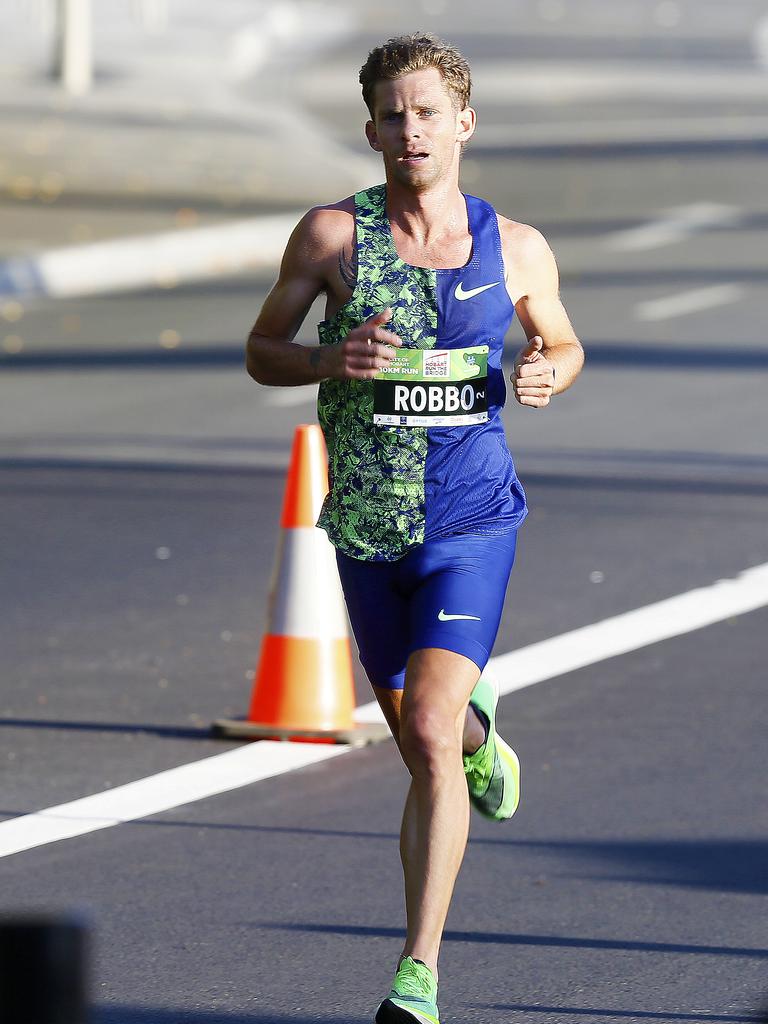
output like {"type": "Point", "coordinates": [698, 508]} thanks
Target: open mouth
{"type": "Point", "coordinates": [413, 158]}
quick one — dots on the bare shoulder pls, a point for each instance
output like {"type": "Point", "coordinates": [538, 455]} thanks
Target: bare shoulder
{"type": "Point", "coordinates": [324, 231]}
{"type": "Point", "coordinates": [529, 263]}
{"type": "Point", "coordinates": [522, 243]}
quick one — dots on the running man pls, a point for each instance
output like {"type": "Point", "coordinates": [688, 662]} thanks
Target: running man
{"type": "Point", "coordinates": [421, 283]}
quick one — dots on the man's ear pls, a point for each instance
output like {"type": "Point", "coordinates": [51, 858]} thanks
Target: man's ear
{"type": "Point", "coordinates": [372, 136]}
{"type": "Point", "coordinates": [466, 122]}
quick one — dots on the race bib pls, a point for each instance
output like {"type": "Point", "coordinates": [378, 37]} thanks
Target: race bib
{"type": "Point", "coordinates": [432, 388]}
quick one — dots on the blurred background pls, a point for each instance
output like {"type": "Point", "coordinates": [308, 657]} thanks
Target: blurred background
{"type": "Point", "coordinates": [149, 178]}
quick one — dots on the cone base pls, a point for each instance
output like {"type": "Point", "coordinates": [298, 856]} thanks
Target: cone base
{"type": "Point", "coordinates": [357, 736]}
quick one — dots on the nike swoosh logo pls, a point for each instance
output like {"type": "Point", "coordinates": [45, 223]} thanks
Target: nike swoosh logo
{"type": "Point", "coordinates": [461, 295]}
{"type": "Point", "coordinates": [447, 618]}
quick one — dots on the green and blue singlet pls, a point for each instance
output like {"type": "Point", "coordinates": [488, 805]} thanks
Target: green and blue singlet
{"type": "Point", "coordinates": [420, 453]}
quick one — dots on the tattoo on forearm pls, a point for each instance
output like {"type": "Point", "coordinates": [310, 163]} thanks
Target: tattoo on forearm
{"type": "Point", "coordinates": [348, 267]}
{"type": "Point", "coordinates": [314, 360]}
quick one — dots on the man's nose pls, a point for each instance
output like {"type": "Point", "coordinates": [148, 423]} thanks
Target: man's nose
{"type": "Point", "coordinates": [411, 126]}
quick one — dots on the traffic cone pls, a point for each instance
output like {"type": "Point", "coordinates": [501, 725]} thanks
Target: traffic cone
{"type": "Point", "coordinates": [304, 688]}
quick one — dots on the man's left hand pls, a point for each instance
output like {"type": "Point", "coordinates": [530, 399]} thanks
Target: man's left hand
{"type": "Point", "coordinates": [533, 376]}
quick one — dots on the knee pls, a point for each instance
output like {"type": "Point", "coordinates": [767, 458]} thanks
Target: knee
{"type": "Point", "coordinates": [429, 741]}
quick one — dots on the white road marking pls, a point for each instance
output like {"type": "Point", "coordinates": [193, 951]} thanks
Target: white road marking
{"type": "Point", "coordinates": [165, 259]}
{"type": "Point", "coordinates": [676, 225]}
{"type": "Point", "coordinates": [633, 630]}
{"type": "Point", "coordinates": [172, 788]}
{"type": "Point", "coordinates": [266, 759]}
{"type": "Point", "coordinates": [620, 634]}
{"type": "Point", "coordinates": [688, 302]}
{"type": "Point", "coordinates": [760, 41]}
{"type": "Point", "coordinates": [287, 398]}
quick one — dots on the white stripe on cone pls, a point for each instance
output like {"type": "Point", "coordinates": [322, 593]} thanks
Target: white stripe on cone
{"type": "Point", "coordinates": [306, 599]}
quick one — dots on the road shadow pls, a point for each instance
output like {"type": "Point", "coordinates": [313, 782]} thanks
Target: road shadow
{"type": "Point", "coordinates": [674, 356]}
{"type": "Point", "coordinates": [515, 939]}
{"type": "Point", "coordinates": [289, 830]}
{"type": "Point", "coordinates": [649, 149]}
{"type": "Point", "coordinates": [663, 277]}
{"type": "Point", "coordinates": [718, 865]}
{"type": "Point", "coordinates": [737, 479]}
{"type": "Point", "coordinates": [645, 484]}
{"type": "Point", "coordinates": [161, 1015]}
{"type": "Point", "coordinates": [722, 865]}
{"type": "Point", "coordinates": [623, 354]}
{"type": "Point", "coordinates": [556, 46]}
{"type": "Point", "coordinates": [139, 465]}
{"type": "Point", "coordinates": [590, 1011]}
{"type": "Point", "coordinates": [175, 732]}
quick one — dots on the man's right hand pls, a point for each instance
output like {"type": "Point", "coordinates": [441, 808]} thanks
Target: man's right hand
{"type": "Point", "coordinates": [364, 351]}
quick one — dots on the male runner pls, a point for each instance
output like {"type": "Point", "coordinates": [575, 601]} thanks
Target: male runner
{"type": "Point", "coordinates": [421, 283]}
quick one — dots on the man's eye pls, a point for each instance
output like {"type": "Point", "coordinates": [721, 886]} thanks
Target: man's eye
{"type": "Point", "coordinates": [428, 113]}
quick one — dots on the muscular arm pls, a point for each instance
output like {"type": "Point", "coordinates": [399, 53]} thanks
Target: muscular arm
{"type": "Point", "coordinates": [272, 357]}
{"type": "Point", "coordinates": [534, 285]}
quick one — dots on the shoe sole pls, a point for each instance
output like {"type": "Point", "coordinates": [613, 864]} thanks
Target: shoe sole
{"type": "Point", "coordinates": [391, 1013]}
{"type": "Point", "coordinates": [506, 753]}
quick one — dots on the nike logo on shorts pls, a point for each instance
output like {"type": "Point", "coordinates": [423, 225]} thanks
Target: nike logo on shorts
{"type": "Point", "coordinates": [447, 618]}
{"type": "Point", "coordinates": [461, 295]}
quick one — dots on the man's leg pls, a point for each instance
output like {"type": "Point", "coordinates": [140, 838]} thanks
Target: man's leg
{"type": "Point", "coordinates": [390, 702]}
{"type": "Point", "coordinates": [430, 720]}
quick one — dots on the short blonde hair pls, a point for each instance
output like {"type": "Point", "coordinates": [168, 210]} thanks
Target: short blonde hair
{"type": "Point", "coordinates": [404, 54]}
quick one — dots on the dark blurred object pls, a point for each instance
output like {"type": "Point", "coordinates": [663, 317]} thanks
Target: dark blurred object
{"type": "Point", "coordinates": [43, 970]}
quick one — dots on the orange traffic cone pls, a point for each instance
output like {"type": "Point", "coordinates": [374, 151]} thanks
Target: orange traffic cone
{"type": "Point", "coordinates": [304, 688]}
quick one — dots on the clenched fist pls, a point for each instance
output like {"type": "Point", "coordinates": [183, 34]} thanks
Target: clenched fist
{"type": "Point", "coordinates": [364, 351]}
{"type": "Point", "coordinates": [533, 376]}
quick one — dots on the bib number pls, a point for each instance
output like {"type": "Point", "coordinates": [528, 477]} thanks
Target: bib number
{"type": "Point", "coordinates": [433, 388]}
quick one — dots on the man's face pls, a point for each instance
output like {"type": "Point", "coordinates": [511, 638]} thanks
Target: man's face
{"type": "Point", "coordinates": [418, 129]}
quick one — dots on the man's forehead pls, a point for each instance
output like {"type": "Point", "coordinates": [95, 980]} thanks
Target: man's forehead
{"type": "Point", "coordinates": [416, 87]}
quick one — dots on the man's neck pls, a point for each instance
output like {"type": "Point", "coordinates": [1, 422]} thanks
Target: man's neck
{"type": "Point", "coordinates": [428, 215]}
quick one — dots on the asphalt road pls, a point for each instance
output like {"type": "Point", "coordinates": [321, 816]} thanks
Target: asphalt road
{"type": "Point", "coordinates": [141, 488]}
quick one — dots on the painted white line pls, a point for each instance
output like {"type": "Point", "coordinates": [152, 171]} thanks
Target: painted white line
{"type": "Point", "coordinates": [287, 398]}
{"type": "Point", "coordinates": [166, 258]}
{"type": "Point", "coordinates": [760, 41]}
{"type": "Point", "coordinates": [153, 261]}
{"type": "Point", "coordinates": [633, 630]}
{"type": "Point", "coordinates": [172, 788]}
{"type": "Point", "coordinates": [622, 633]}
{"type": "Point", "coordinates": [517, 669]}
{"type": "Point", "coordinates": [688, 302]}
{"type": "Point", "coordinates": [675, 225]}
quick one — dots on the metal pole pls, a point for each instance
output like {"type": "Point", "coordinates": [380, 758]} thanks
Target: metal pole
{"type": "Point", "coordinates": [73, 60]}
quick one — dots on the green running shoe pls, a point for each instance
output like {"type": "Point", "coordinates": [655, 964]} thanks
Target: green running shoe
{"type": "Point", "coordinates": [413, 997]}
{"type": "Point", "coordinates": [493, 771]}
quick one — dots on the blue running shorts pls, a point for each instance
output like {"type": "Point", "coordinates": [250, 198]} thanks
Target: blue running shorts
{"type": "Point", "coordinates": [446, 593]}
